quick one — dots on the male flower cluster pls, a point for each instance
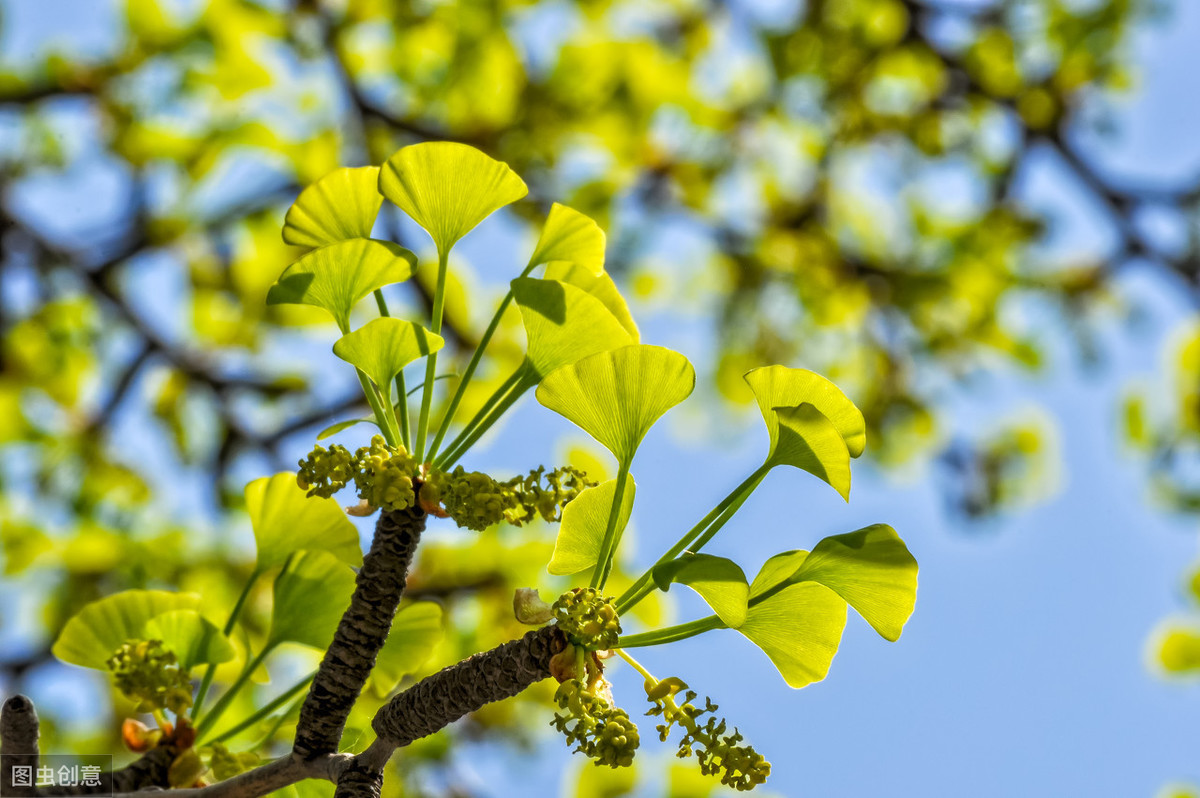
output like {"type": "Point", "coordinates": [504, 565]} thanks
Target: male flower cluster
{"type": "Point", "coordinates": [150, 675]}
{"type": "Point", "coordinates": [601, 732]}
{"type": "Point", "coordinates": [587, 618]}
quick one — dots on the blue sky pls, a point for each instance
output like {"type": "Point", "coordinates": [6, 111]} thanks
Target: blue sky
{"type": "Point", "coordinates": [1023, 671]}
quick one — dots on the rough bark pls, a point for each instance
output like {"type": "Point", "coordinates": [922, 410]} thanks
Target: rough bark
{"type": "Point", "coordinates": [359, 780]}
{"type": "Point", "coordinates": [18, 740]}
{"type": "Point", "coordinates": [360, 634]}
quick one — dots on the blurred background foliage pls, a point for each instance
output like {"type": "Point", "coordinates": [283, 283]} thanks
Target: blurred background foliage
{"type": "Point", "coordinates": [838, 184]}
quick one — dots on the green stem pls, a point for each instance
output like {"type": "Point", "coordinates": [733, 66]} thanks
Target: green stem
{"type": "Point", "coordinates": [482, 412]}
{"type": "Point", "coordinates": [699, 533]}
{"type": "Point", "coordinates": [223, 702]}
{"type": "Point", "coordinates": [671, 634]}
{"type": "Point", "coordinates": [279, 719]}
{"type": "Point", "coordinates": [207, 681]}
{"type": "Point", "coordinates": [266, 710]}
{"type": "Point", "coordinates": [451, 456]}
{"type": "Point", "coordinates": [439, 300]}
{"type": "Point", "coordinates": [401, 392]}
{"type": "Point", "coordinates": [608, 546]}
{"type": "Point", "coordinates": [386, 421]}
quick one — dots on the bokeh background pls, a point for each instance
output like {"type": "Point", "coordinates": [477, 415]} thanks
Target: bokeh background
{"type": "Point", "coordinates": [979, 218]}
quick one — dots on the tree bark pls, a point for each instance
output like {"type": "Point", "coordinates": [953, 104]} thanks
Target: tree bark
{"type": "Point", "coordinates": [18, 741]}
{"type": "Point", "coordinates": [360, 634]}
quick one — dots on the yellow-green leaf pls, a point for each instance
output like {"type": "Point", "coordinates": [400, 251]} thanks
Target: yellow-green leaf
{"type": "Point", "coordinates": [572, 237]}
{"type": "Point", "coordinates": [336, 276]}
{"type": "Point", "coordinates": [584, 519]}
{"type": "Point", "coordinates": [91, 636]}
{"type": "Point", "coordinates": [383, 347]}
{"type": "Point", "coordinates": [193, 638]}
{"type": "Point", "coordinates": [779, 386]}
{"type": "Point", "coordinates": [448, 188]}
{"type": "Point", "coordinates": [285, 521]}
{"type": "Point", "coordinates": [809, 441]}
{"type": "Point", "coordinates": [601, 286]}
{"type": "Point", "coordinates": [310, 598]}
{"type": "Point", "coordinates": [343, 204]}
{"type": "Point", "coordinates": [616, 396]}
{"type": "Point", "coordinates": [799, 628]}
{"type": "Point", "coordinates": [563, 324]}
{"type": "Point", "coordinates": [719, 581]}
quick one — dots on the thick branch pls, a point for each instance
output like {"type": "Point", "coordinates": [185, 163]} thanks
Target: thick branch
{"type": "Point", "coordinates": [18, 740]}
{"type": "Point", "coordinates": [361, 633]}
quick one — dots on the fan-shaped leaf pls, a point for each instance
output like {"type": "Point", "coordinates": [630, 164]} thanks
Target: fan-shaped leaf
{"type": "Point", "coordinates": [616, 396]}
{"type": "Point", "coordinates": [383, 347]}
{"type": "Point", "coordinates": [415, 632]}
{"type": "Point", "coordinates": [334, 429]}
{"type": "Point", "coordinates": [719, 581]}
{"type": "Point", "coordinates": [572, 237]}
{"type": "Point", "coordinates": [800, 629]}
{"type": "Point", "coordinates": [285, 521]}
{"type": "Point", "coordinates": [563, 324]}
{"type": "Point", "coordinates": [448, 188]}
{"type": "Point", "coordinates": [584, 519]}
{"type": "Point", "coordinates": [779, 386]}
{"type": "Point", "coordinates": [310, 597]}
{"type": "Point", "coordinates": [343, 204]}
{"type": "Point", "coordinates": [601, 286]}
{"type": "Point", "coordinates": [91, 636]}
{"type": "Point", "coordinates": [809, 441]}
{"type": "Point", "coordinates": [193, 638]}
{"type": "Point", "coordinates": [335, 277]}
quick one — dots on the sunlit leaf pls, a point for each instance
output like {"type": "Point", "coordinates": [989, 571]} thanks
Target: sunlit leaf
{"type": "Point", "coordinates": [310, 597]}
{"type": "Point", "coordinates": [563, 324]}
{"type": "Point", "coordinates": [334, 429]}
{"type": "Point", "coordinates": [779, 386]}
{"type": "Point", "coordinates": [809, 441]}
{"type": "Point", "coordinates": [416, 631]}
{"type": "Point", "coordinates": [799, 628]}
{"type": "Point", "coordinates": [616, 396]}
{"type": "Point", "coordinates": [1178, 649]}
{"type": "Point", "coordinates": [194, 639]}
{"type": "Point", "coordinates": [335, 277]}
{"type": "Point", "coordinates": [91, 636]}
{"type": "Point", "coordinates": [448, 188]}
{"type": "Point", "coordinates": [584, 520]}
{"type": "Point", "coordinates": [285, 521]}
{"type": "Point", "coordinates": [572, 237]}
{"type": "Point", "coordinates": [719, 581]}
{"type": "Point", "coordinates": [341, 205]}
{"type": "Point", "coordinates": [601, 286]}
{"type": "Point", "coordinates": [383, 347]}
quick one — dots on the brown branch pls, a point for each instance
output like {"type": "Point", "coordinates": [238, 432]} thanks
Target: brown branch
{"type": "Point", "coordinates": [18, 741]}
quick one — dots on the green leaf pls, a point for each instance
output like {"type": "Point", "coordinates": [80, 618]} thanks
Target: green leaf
{"type": "Point", "coordinates": [616, 396]}
{"type": "Point", "coordinates": [334, 429]}
{"type": "Point", "coordinates": [799, 628]}
{"type": "Point", "coordinates": [601, 286]}
{"type": "Point", "coordinates": [572, 237]}
{"type": "Point", "coordinates": [448, 188]}
{"type": "Point", "coordinates": [872, 570]}
{"type": "Point", "coordinates": [584, 519]}
{"type": "Point", "coordinates": [285, 521]}
{"type": "Point", "coordinates": [1178, 649]}
{"type": "Point", "coordinates": [809, 441]}
{"type": "Point", "coordinates": [779, 386]}
{"type": "Point", "coordinates": [563, 324]}
{"type": "Point", "coordinates": [719, 581]}
{"type": "Point", "coordinates": [416, 631]}
{"type": "Point", "coordinates": [310, 598]}
{"type": "Point", "coordinates": [343, 204]}
{"type": "Point", "coordinates": [335, 277]}
{"type": "Point", "coordinates": [194, 639]}
{"type": "Point", "coordinates": [383, 347]}
{"type": "Point", "coordinates": [91, 636]}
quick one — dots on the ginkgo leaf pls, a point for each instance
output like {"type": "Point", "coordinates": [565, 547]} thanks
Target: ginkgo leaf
{"type": "Point", "coordinates": [286, 521]}
{"type": "Point", "coordinates": [448, 188]}
{"type": "Point", "coordinates": [310, 597]}
{"type": "Point", "coordinates": [584, 520]}
{"type": "Point", "coordinates": [416, 631]}
{"type": "Point", "coordinates": [572, 237]}
{"type": "Point", "coordinates": [383, 347]}
{"type": "Point", "coordinates": [563, 324]}
{"type": "Point", "coordinates": [616, 396]}
{"type": "Point", "coordinates": [343, 204]}
{"type": "Point", "coordinates": [601, 286]}
{"type": "Point", "coordinates": [334, 429]}
{"type": "Point", "coordinates": [719, 581]}
{"type": "Point", "coordinates": [193, 638]}
{"type": "Point", "coordinates": [799, 628]}
{"type": "Point", "coordinates": [808, 440]}
{"type": "Point", "coordinates": [94, 633]}
{"type": "Point", "coordinates": [872, 570]}
{"type": "Point", "coordinates": [335, 277]}
{"type": "Point", "coordinates": [779, 386]}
